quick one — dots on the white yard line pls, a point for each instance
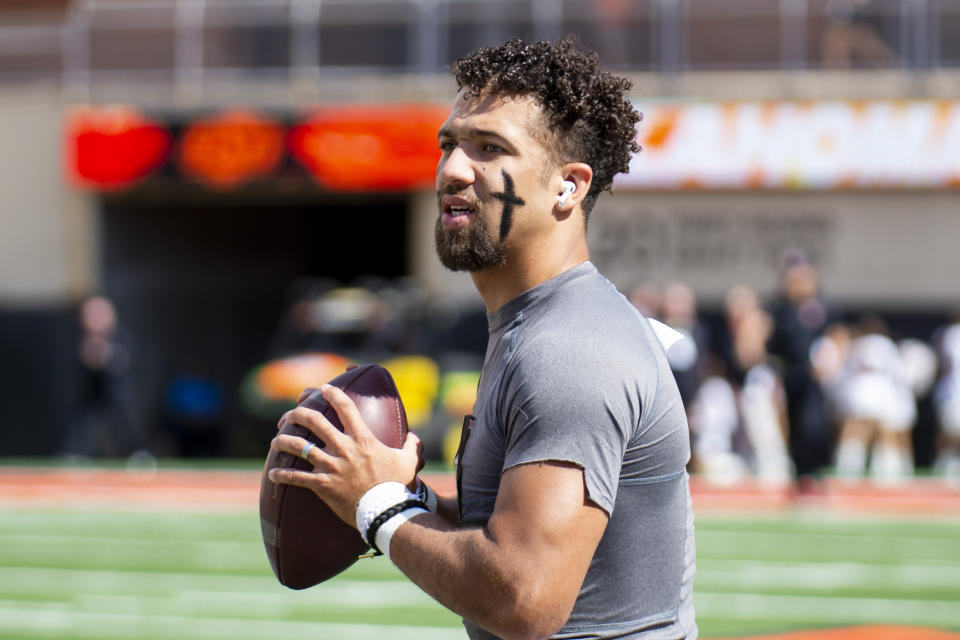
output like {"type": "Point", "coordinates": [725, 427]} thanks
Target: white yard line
{"type": "Point", "coordinates": [827, 610]}
{"type": "Point", "coordinates": [109, 626]}
{"type": "Point", "coordinates": [339, 595]}
{"type": "Point", "coordinates": [43, 580]}
{"type": "Point", "coordinates": [801, 539]}
{"type": "Point", "coordinates": [826, 575]}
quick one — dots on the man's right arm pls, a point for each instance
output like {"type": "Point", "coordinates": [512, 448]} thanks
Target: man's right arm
{"type": "Point", "coordinates": [518, 576]}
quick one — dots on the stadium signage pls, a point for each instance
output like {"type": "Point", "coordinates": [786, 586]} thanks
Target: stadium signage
{"type": "Point", "coordinates": [229, 149]}
{"type": "Point", "coordinates": [110, 148]}
{"type": "Point", "coordinates": [342, 148]}
{"type": "Point", "coordinates": [370, 147]}
{"type": "Point", "coordinates": [824, 145]}
{"type": "Point", "coordinates": [798, 145]}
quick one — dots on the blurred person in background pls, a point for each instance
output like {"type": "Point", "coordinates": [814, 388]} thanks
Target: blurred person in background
{"type": "Point", "coordinates": [714, 418]}
{"type": "Point", "coordinates": [946, 398]}
{"type": "Point", "coordinates": [828, 357]}
{"type": "Point", "coordinates": [738, 414]}
{"type": "Point", "coordinates": [678, 305]}
{"type": "Point", "coordinates": [193, 409]}
{"type": "Point", "coordinates": [675, 305]}
{"type": "Point", "coordinates": [920, 367]}
{"type": "Point", "coordinates": [875, 406]}
{"type": "Point", "coordinates": [800, 316]}
{"type": "Point", "coordinates": [614, 44]}
{"type": "Point", "coordinates": [762, 400]}
{"type": "Point", "coordinates": [852, 36]}
{"type": "Point", "coordinates": [107, 423]}
{"type": "Point", "coordinates": [647, 299]}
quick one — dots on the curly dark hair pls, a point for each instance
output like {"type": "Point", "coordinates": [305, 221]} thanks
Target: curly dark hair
{"type": "Point", "coordinates": [586, 107]}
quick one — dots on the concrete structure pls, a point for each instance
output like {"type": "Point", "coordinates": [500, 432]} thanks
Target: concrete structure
{"type": "Point", "coordinates": [193, 270]}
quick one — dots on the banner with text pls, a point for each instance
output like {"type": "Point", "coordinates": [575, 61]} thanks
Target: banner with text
{"type": "Point", "coordinates": [798, 145]}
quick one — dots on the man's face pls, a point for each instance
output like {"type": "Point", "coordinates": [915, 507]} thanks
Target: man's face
{"type": "Point", "coordinates": [492, 186]}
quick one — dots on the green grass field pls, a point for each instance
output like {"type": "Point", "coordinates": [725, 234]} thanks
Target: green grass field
{"type": "Point", "coordinates": [109, 574]}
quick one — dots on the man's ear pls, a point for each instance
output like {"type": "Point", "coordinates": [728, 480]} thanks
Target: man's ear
{"type": "Point", "coordinates": [573, 182]}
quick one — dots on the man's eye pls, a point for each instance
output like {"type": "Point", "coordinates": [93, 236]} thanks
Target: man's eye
{"type": "Point", "coordinates": [448, 145]}
{"type": "Point", "coordinates": [489, 147]}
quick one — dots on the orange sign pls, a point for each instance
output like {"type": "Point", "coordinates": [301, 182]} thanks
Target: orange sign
{"type": "Point", "coordinates": [370, 147]}
{"type": "Point", "coordinates": [112, 147]}
{"type": "Point", "coordinates": [231, 148]}
{"type": "Point", "coordinates": [343, 147]}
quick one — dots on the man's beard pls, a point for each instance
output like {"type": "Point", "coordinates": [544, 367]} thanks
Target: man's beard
{"type": "Point", "coordinates": [470, 248]}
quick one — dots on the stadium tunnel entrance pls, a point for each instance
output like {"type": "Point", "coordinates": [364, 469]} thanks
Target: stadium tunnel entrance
{"type": "Point", "coordinates": [201, 286]}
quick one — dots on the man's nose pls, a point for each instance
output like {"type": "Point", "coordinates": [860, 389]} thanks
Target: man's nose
{"type": "Point", "coordinates": [455, 169]}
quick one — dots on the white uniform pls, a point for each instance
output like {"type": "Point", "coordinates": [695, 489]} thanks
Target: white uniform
{"type": "Point", "coordinates": [947, 393]}
{"type": "Point", "coordinates": [873, 386]}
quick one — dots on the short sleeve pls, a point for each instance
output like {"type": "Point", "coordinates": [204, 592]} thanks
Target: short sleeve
{"type": "Point", "coordinates": [560, 405]}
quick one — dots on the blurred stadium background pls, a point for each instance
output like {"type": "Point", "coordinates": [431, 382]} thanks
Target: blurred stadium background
{"type": "Point", "coordinates": [186, 160]}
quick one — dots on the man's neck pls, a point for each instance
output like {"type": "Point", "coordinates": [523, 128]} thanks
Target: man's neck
{"type": "Point", "coordinates": [499, 285]}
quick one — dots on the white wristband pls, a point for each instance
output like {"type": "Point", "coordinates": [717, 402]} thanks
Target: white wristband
{"type": "Point", "coordinates": [427, 495]}
{"type": "Point", "coordinates": [388, 528]}
{"type": "Point", "coordinates": [378, 499]}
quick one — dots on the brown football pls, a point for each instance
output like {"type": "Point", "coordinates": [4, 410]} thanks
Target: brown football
{"type": "Point", "coordinates": [305, 541]}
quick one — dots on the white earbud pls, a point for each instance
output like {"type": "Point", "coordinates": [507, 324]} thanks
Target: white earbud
{"type": "Point", "coordinates": [568, 188]}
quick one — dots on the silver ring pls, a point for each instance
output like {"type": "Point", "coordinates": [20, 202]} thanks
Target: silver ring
{"type": "Point", "coordinates": [305, 452]}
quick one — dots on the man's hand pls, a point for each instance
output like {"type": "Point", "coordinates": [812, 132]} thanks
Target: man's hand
{"type": "Point", "coordinates": [351, 462]}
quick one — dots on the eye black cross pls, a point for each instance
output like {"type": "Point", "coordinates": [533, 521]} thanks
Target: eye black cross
{"type": "Point", "coordinates": [509, 198]}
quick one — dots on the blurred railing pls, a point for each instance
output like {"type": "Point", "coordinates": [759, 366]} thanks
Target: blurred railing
{"type": "Point", "coordinates": [193, 41]}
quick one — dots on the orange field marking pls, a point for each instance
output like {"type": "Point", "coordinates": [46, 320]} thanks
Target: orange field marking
{"type": "Point", "coordinates": [83, 486]}
{"type": "Point", "coordinates": [870, 632]}
{"type": "Point", "coordinates": [917, 496]}
{"type": "Point", "coordinates": [145, 488]}
{"type": "Point", "coordinates": [241, 489]}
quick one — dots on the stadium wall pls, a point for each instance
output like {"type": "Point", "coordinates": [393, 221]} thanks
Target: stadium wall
{"type": "Point", "coordinates": [884, 249]}
{"type": "Point", "coordinates": [889, 249]}
{"type": "Point", "coordinates": [48, 257]}
{"type": "Point", "coordinates": [48, 246]}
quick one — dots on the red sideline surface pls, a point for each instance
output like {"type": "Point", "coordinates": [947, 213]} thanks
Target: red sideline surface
{"type": "Point", "coordinates": [919, 496]}
{"type": "Point", "coordinates": [869, 632]}
{"type": "Point", "coordinates": [240, 489]}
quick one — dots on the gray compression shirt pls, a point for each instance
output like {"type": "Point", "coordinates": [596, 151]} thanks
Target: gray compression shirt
{"type": "Point", "coordinates": [574, 373]}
